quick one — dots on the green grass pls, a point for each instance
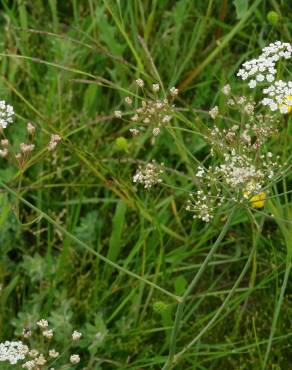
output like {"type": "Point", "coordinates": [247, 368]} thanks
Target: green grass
{"type": "Point", "coordinates": [85, 249]}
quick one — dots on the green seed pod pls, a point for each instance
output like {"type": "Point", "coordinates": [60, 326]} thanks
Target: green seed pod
{"type": "Point", "coordinates": [273, 18]}
{"type": "Point", "coordinates": [160, 307]}
{"type": "Point", "coordinates": [122, 144]}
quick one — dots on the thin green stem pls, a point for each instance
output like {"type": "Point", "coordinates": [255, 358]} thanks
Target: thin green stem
{"type": "Point", "coordinates": [87, 247]}
{"type": "Point", "coordinates": [221, 308]}
{"type": "Point", "coordinates": [277, 310]}
{"type": "Point", "coordinates": [180, 307]}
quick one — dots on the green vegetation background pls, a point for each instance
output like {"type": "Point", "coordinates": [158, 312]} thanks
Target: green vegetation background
{"type": "Point", "coordinates": [66, 66]}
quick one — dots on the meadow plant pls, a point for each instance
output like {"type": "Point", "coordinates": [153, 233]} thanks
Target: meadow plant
{"type": "Point", "coordinates": [36, 349]}
{"type": "Point", "coordinates": [238, 172]}
{"type": "Point", "coordinates": [263, 70]}
{"type": "Point", "coordinates": [152, 109]}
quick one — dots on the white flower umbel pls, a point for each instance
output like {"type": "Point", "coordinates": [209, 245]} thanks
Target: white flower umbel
{"type": "Point", "coordinates": [263, 68]}
{"type": "Point", "coordinates": [148, 175]}
{"type": "Point", "coordinates": [6, 114]}
{"type": "Point", "coordinates": [203, 204]}
{"type": "Point", "coordinates": [13, 351]}
{"type": "Point", "coordinates": [279, 96]}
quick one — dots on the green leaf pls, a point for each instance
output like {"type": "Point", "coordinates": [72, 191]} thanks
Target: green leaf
{"type": "Point", "coordinates": [115, 239]}
{"type": "Point", "coordinates": [241, 7]}
{"type": "Point", "coordinates": [180, 285]}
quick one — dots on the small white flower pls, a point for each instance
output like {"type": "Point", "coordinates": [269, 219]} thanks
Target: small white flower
{"type": "Point", "coordinates": [3, 153]}
{"type": "Point", "coordinates": [29, 365]}
{"type": "Point", "coordinates": [134, 131]}
{"type": "Point", "coordinates": [214, 112]}
{"type": "Point", "coordinates": [156, 131]}
{"type": "Point", "coordinates": [43, 323]}
{"type": "Point", "coordinates": [33, 353]}
{"type": "Point", "coordinates": [148, 175]}
{"type": "Point", "coordinates": [252, 84]}
{"type": "Point", "coordinates": [26, 148]}
{"type": "Point", "coordinates": [118, 114]}
{"type": "Point", "coordinates": [226, 89]}
{"type": "Point", "coordinates": [48, 333]}
{"type": "Point", "coordinates": [6, 114]}
{"type": "Point", "coordinates": [155, 87]}
{"type": "Point", "coordinates": [135, 118]}
{"type": "Point", "coordinates": [140, 82]}
{"type": "Point", "coordinates": [200, 172]}
{"type": "Point", "coordinates": [128, 100]}
{"type": "Point", "coordinates": [55, 138]}
{"type": "Point", "coordinates": [40, 360]}
{"type": "Point", "coordinates": [260, 78]}
{"type": "Point", "coordinates": [53, 353]}
{"type": "Point", "coordinates": [76, 335]}
{"type": "Point", "coordinates": [173, 91]}
{"type": "Point", "coordinates": [74, 359]}
{"type": "Point", "coordinates": [270, 78]}
{"type": "Point", "coordinates": [166, 119]}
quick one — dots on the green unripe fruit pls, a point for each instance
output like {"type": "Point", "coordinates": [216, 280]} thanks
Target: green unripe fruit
{"type": "Point", "coordinates": [160, 307]}
{"type": "Point", "coordinates": [273, 18]}
{"type": "Point", "coordinates": [122, 144]}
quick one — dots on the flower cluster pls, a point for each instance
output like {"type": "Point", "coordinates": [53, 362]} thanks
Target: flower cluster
{"type": "Point", "coordinates": [13, 351]}
{"type": "Point", "coordinates": [240, 166]}
{"type": "Point", "coordinates": [19, 154]}
{"type": "Point", "coordinates": [54, 142]}
{"type": "Point", "coordinates": [204, 204]}
{"type": "Point", "coordinates": [148, 175]}
{"type": "Point", "coordinates": [263, 69]}
{"type": "Point", "coordinates": [152, 111]}
{"type": "Point", "coordinates": [279, 96]}
{"type": "Point", "coordinates": [35, 358]}
{"type": "Point", "coordinates": [240, 171]}
{"type": "Point", "coordinates": [6, 114]}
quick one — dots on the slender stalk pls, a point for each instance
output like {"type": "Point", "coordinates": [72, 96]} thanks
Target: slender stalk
{"type": "Point", "coordinates": [180, 307]}
{"type": "Point", "coordinates": [277, 310]}
{"type": "Point", "coordinates": [87, 247]}
{"type": "Point", "coordinates": [221, 308]}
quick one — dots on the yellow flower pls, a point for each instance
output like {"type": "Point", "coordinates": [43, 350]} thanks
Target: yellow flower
{"type": "Point", "coordinates": [289, 107]}
{"type": "Point", "coordinates": [258, 200]}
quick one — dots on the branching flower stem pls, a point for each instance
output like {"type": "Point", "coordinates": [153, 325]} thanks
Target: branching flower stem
{"type": "Point", "coordinates": [179, 312]}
